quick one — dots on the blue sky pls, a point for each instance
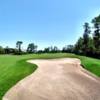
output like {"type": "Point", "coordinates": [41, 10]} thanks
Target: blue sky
{"type": "Point", "coordinates": [44, 22]}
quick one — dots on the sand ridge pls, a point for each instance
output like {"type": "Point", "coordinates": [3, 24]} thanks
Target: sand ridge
{"type": "Point", "coordinates": [57, 79]}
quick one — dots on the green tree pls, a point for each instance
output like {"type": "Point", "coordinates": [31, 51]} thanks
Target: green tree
{"type": "Point", "coordinates": [70, 48]}
{"type": "Point", "coordinates": [78, 49]}
{"type": "Point", "coordinates": [7, 50]}
{"type": "Point", "coordinates": [55, 49]}
{"type": "Point", "coordinates": [86, 37]}
{"type": "Point", "coordinates": [91, 47]}
{"type": "Point", "coordinates": [96, 35]}
{"type": "Point", "coordinates": [1, 50]}
{"type": "Point", "coordinates": [18, 45]}
{"type": "Point", "coordinates": [64, 49]}
{"type": "Point", "coordinates": [31, 48]}
{"type": "Point", "coordinates": [47, 50]}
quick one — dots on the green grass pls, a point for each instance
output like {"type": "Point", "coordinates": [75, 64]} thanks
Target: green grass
{"type": "Point", "coordinates": [14, 68]}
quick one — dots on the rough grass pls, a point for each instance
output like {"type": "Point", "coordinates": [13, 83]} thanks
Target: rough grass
{"type": "Point", "coordinates": [15, 68]}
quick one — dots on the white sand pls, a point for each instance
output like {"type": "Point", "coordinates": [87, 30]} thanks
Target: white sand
{"type": "Point", "coordinates": [59, 79]}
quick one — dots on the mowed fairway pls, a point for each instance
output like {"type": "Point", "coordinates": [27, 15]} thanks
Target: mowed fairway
{"type": "Point", "coordinates": [15, 68]}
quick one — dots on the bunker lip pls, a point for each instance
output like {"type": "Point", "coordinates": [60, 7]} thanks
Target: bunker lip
{"type": "Point", "coordinates": [57, 79]}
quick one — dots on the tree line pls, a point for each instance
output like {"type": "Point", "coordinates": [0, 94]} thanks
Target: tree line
{"type": "Point", "coordinates": [88, 44]}
{"type": "Point", "coordinates": [31, 48]}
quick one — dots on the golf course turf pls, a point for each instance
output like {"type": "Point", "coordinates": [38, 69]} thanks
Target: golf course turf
{"type": "Point", "coordinates": [14, 68]}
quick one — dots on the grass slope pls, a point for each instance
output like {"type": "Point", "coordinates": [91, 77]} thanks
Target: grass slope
{"type": "Point", "coordinates": [15, 68]}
